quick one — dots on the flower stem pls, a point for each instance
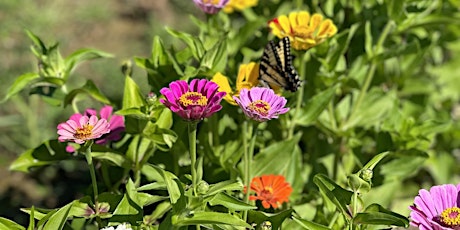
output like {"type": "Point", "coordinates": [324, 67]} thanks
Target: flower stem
{"type": "Point", "coordinates": [298, 106]}
{"type": "Point", "coordinates": [89, 160]}
{"type": "Point", "coordinates": [372, 68]}
{"type": "Point", "coordinates": [248, 154]}
{"type": "Point", "coordinates": [192, 147]}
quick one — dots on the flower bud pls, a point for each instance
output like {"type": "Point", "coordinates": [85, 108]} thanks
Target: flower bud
{"type": "Point", "coordinates": [202, 187]}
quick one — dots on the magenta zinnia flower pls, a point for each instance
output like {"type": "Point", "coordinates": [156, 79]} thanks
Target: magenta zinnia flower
{"type": "Point", "coordinates": [83, 129]}
{"type": "Point", "coordinates": [437, 209]}
{"type": "Point", "coordinates": [210, 6]}
{"type": "Point", "coordinates": [195, 102]}
{"type": "Point", "coordinates": [261, 104]}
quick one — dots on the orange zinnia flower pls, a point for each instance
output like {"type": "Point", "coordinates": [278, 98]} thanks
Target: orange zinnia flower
{"type": "Point", "coordinates": [272, 190]}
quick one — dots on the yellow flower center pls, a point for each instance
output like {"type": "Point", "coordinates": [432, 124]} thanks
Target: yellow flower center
{"type": "Point", "coordinates": [451, 216]}
{"type": "Point", "coordinates": [84, 132]}
{"type": "Point", "coordinates": [213, 2]}
{"type": "Point", "coordinates": [193, 98]}
{"type": "Point", "coordinates": [302, 32]}
{"type": "Point", "coordinates": [260, 107]}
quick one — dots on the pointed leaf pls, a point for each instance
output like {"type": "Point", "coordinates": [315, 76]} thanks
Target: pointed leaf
{"type": "Point", "coordinates": [19, 84]}
{"type": "Point", "coordinates": [89, 89]}
{"type": "Point", "coordinates": [230, 202]}
{"type": "Point", "coordinates": [377, 215]}
{"type": "Point", "coordinates": [9, 224]}
{"type": "Point", "coordinates": [338, 195]}
{"type": "Point", "coordinates": [59, 218]}
{"type": "Point", "coordinates": [309, 225]}
{"type": "Point", "coordinates": [132, 96]}
{"type": "Point", "coordinates": [47, 153]}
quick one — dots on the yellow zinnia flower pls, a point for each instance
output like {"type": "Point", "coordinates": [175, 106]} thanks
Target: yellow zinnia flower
{"type": "Point", "coordinates": [304, 30]}
{"type": "Point", "coordinates": [239, 5]}
{"type": "Point", "coordinates": [248, 75]}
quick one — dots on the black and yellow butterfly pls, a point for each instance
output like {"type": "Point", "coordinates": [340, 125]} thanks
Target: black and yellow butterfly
{"type": "Point", "coordinates": [276, 69]}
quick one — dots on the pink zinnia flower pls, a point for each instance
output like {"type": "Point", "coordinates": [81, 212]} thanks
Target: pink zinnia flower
{"type": "Point", "coordinates": [195, 102]}
{"type": "Point", "coordinates": [83, 129]}
{"type": "Point", "coordinates": [210, 6]}
{"type": "Point", "coordinates": [261, 104]}
{"type": "Point", "coordinates": [437, 209]}
{"type": "Point", "coordinates": [117, 124]}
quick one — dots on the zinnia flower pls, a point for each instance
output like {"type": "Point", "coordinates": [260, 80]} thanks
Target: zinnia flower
{"type": "Point", "coordinates": [210, 6]}
{"type": "Point", "coordinates": [82, 129]}
{"type": "Point", "coordinates": [272, 190]}
{"type": "Point", "coordinates": [239, 5]}
{"type": "Point", "coordinates": [248, 75]}
{"type": "Point", "coordinates": [437, 209]}
{"type": "Point", "coordinates": [195, 102]}
{"type": "Point", "coordinates": [261, 104]}
{"type": "Point", "coordinates": [303, 30]}
{"type": "Point", "coordinates": [117, 125]}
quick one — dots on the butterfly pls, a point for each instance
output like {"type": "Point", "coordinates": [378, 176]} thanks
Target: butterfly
{"type": "Point", "coordinates": [276, 69]}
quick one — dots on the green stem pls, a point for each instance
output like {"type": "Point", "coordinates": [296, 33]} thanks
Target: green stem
{"type": "Point", "coordinates": [89, 160]}
{"type": "Point", "coordinates": [248, 134]}
{"type": "Point", "coordinates": [298, 106]}
{"type": "Point", "coordinates": [372, 68]}
{"type": "Point", "coordinates": [192, 147]}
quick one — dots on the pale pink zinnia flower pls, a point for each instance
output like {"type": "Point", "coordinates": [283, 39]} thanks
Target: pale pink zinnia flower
{"type": "Point", "coordinates": [82, 129]}
{"type": "Point", "coordinates": [261, 104]}
{"type": "Point", "coordinates": [437, 209]}
{"type": "Point", "coordinates": [210, 6]}
{"type": "Point", "coordinates": [192, 102]}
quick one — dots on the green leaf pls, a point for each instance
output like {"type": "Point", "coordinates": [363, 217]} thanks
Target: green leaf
{"type": "Point", "coordinates": [314, 107]}
{"type": "Point", "coordinates": [129, 209]}
{"type": "Point", "coordinates": [170, 181]}
{"type": "Point", "coordinates": [396, 10]}
{"type": "Point", "coordinates": [276, 219]}
{"type": "Point", "coordinates": [193, 43]}
{"type": "Point", "coordinates": [375, 214]}
{"type": "Point", "coordinates": [58, 218]}
{"type": "Point", "coordinates": [19, 84]}
{"type": "Point", "coordinates": [343, 40]}
{"type": "Point", "coordinates": [368, 41]}
{"type": "Point", "coordinates": [375, 160]}
{"type": "Point", "coordinates": [47, 153]}
{"type": "Point", "coordinates": [89, 89]}
{"type": "Point", "coordinates": [208, 218]}
{"type": "Point", "coordinates": [309, 225]}
{"type": "Point", "coordinates": [37, 41]}
{"type": "Point", "coordinates": [268, 160]}
{"type": "Point", "coordinates": [31, 219]}
{"type": "Point", "coordinates": [405, 165]}
{"type": "Point", "coordinates": [373, 110]}
{"type": "Point", "coordinates": [82, 55]}
{"type": "Point", "coordinates": [132, 96]}
{"type": "Point", "coordinates": [338, 195]}
{"type": "Point", "coordinates": [216, 58]}
{"type": "Point", "coordinates": [227, 185]}
{"type": "Point", "coordinates": [230, 202]}
{"type": "Point", "coordinates": [115, 158]}
{"type": "Point", "coordinates": [10, 225]}
{"type": "Point", "coordinates": [152, 186]}
{"type": "Point", "coordinates": [148, 199]}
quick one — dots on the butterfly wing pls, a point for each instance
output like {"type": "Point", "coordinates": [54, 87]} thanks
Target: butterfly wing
{"type": "Point", "coordinates": [276, 69]}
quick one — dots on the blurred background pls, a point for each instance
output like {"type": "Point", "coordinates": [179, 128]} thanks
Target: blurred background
{"type": "Point", "coordinates": [123, 28]}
